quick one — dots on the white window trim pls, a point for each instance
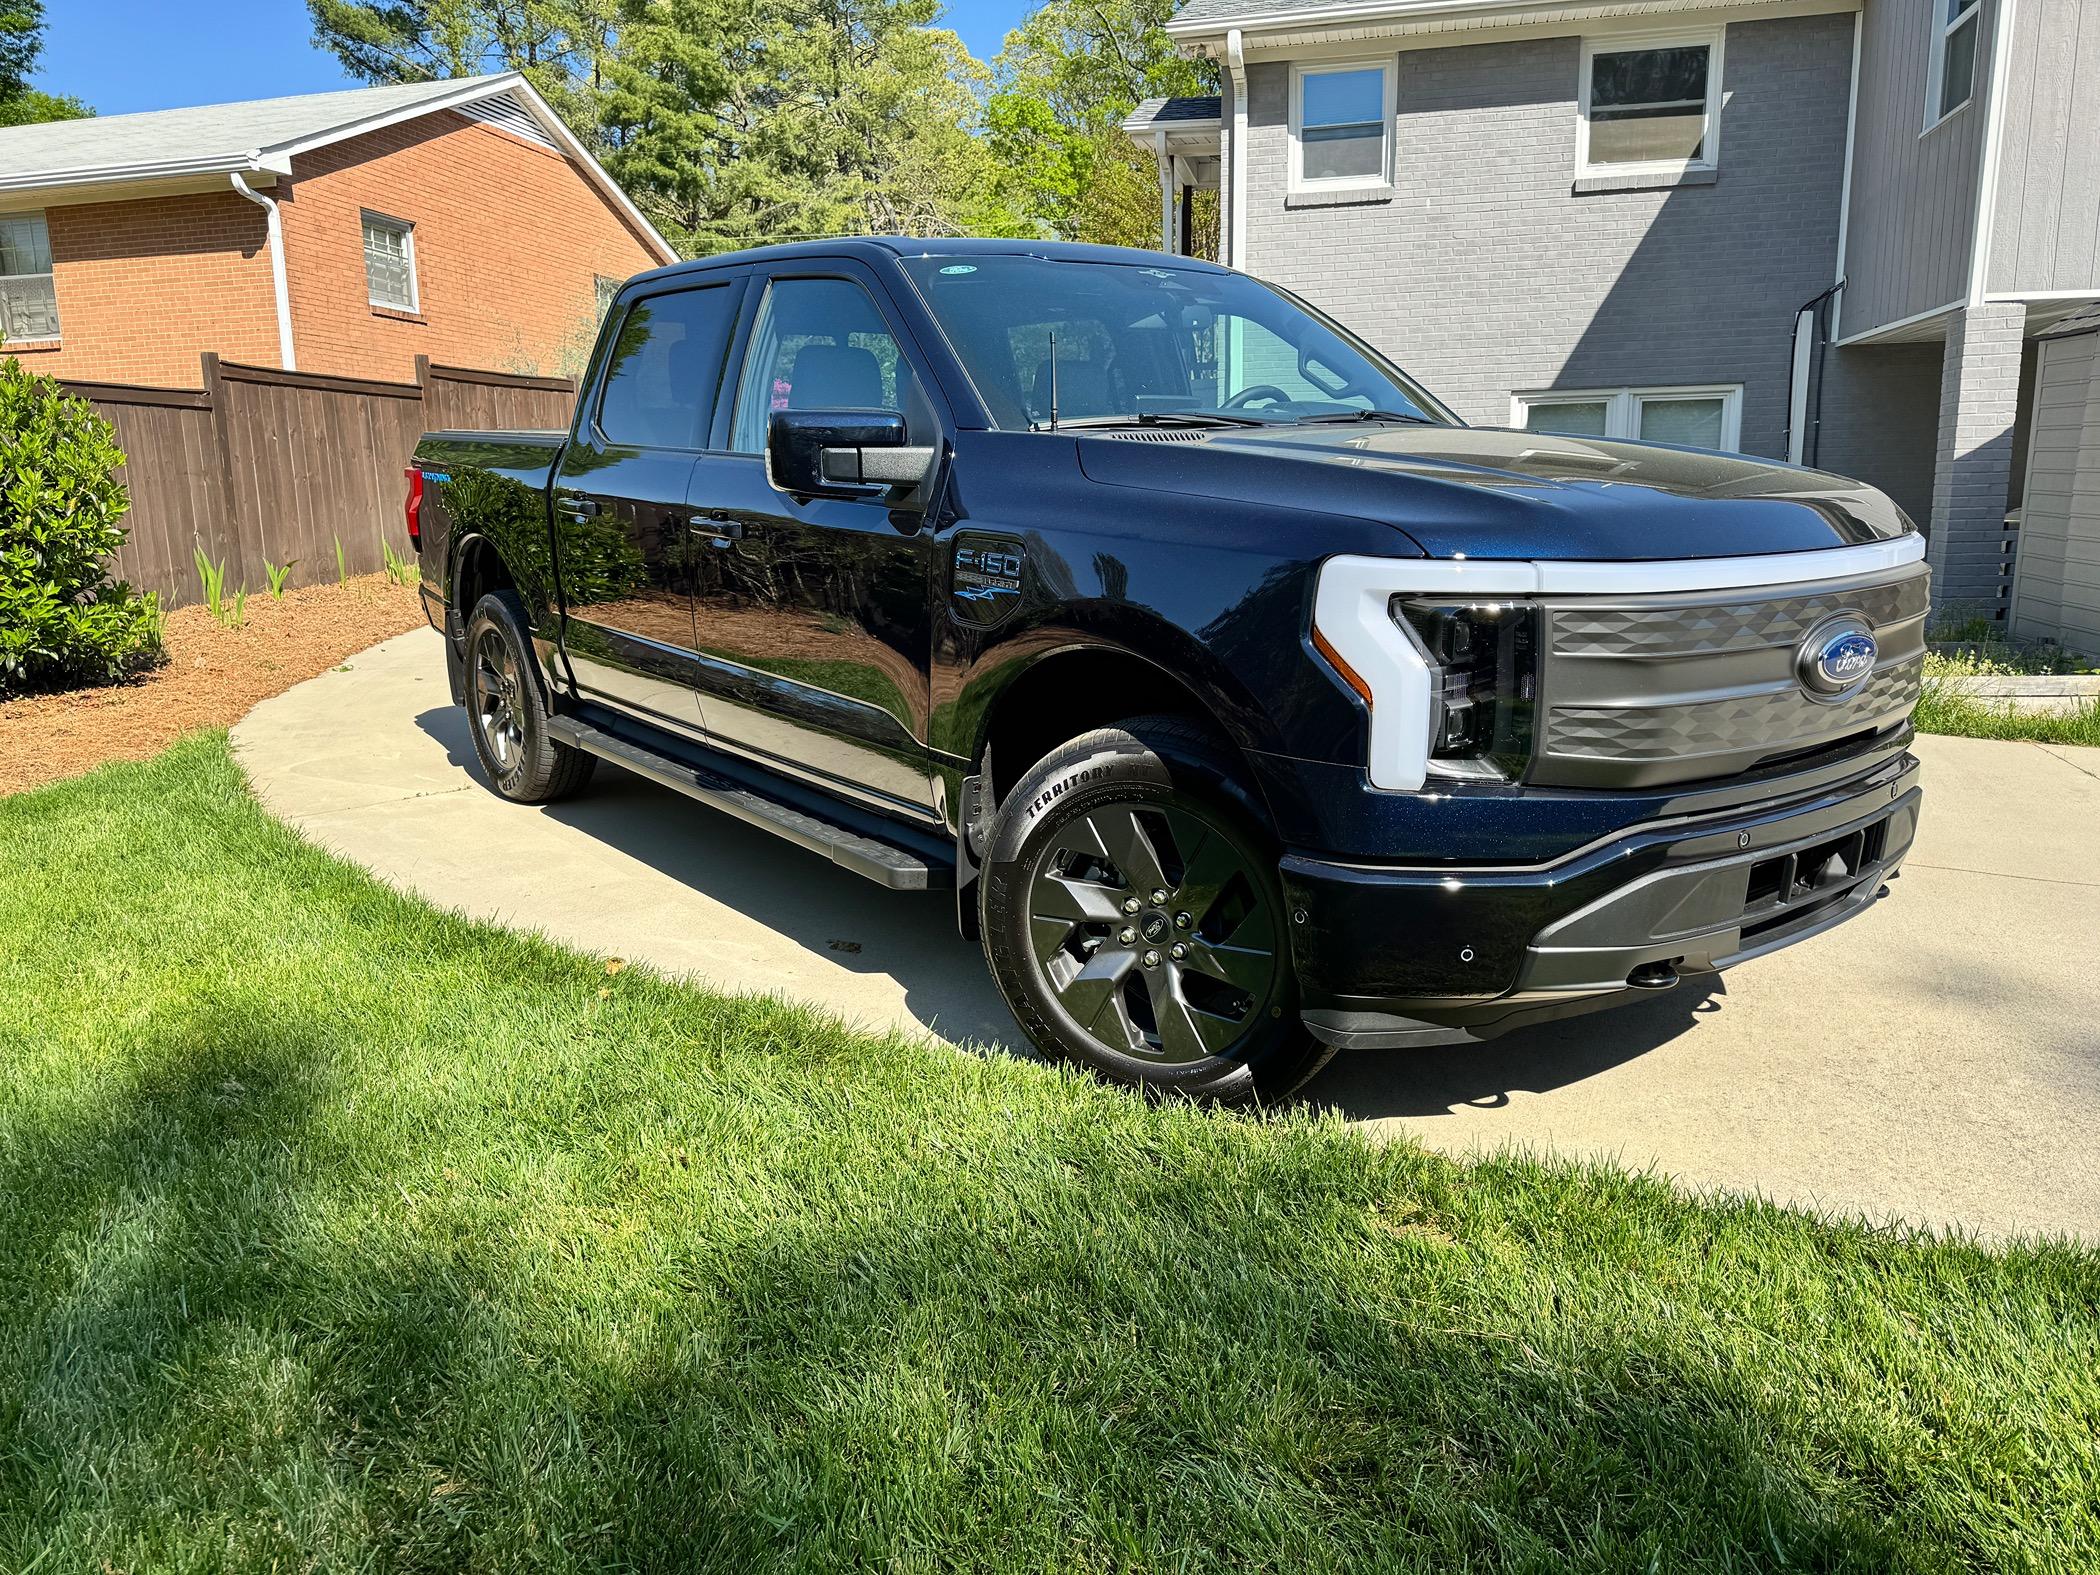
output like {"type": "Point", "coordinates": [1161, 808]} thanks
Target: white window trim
{"type": "Point", "coordinates": [1715, 40]}
{"type": "Point", "coordinates": [51, 273]}
{"type": "Point", "coordinates": [408, 254]}
{"type": "Point", "coordinates": [1937, 115]}
{"type": "Point", "coordinates": [1622, 416]}
{"type": "Point", "coordinates": [1383, 180]}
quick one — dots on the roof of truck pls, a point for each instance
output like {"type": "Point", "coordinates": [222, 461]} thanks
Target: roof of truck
{"type": "Point", "coordinates": [873, 248]}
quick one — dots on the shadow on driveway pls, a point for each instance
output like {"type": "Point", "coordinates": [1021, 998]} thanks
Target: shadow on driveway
{"type": "Point", "coordinates": [913, 939]}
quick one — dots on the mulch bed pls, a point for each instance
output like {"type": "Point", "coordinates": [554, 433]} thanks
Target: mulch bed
{"type": "Point", "coordinates": [213, 676]}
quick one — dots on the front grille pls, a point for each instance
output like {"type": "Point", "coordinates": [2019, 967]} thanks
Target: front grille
{"type": "Point", "coordinates": [1658, 690]}
{"type": "Point", "coordinates": [1729, 626]}
{"type": "Point", "coordinates": [1769, 720]}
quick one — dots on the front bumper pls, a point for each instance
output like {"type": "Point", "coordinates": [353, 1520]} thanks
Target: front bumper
{"type": "Point", "coordinates": [1392, 955]}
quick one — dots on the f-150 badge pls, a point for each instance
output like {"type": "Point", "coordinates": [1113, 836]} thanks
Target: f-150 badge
{"type": "Point", "coordinates": [986, 584]}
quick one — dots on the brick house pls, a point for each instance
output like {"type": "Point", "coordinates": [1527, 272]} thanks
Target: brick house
{"type": "Point", "coordinates": [345, 233]}
{"type": "Point", "coordinates": [1833, 231]}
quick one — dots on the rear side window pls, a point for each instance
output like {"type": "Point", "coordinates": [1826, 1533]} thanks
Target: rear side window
{"type": "Point", "coordinates": [665, 367]}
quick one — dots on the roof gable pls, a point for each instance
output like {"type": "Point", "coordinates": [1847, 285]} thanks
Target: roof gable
{"type": "Point", "coordinates": [110, 152]}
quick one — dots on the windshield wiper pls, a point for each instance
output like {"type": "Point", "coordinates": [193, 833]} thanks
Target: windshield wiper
{"type": "Point", "coordinates": [1342, 416]}
{"type": "Point", "coordinates": [1169, 418]}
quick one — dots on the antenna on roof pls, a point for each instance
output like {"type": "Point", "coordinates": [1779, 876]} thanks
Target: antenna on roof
{"type": "Point", "coordinates": [1053, 380]}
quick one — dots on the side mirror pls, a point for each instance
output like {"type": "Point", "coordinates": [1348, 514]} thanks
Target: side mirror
{"type": "Point", "coordinates": [842, 453]}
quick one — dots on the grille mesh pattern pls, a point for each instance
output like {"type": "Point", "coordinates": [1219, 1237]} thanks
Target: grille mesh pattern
{"type": "Point", "coordinates": [1778, 718]}
{"type": "Point", "coordinates": [1729, 626]}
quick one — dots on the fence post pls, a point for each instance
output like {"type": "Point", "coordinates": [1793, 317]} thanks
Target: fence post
{"type": "Point", "coordinates": [226, 541]}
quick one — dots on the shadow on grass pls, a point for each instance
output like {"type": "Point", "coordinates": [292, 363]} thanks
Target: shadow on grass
{"type": "Point", "coordinates": [253, 1325]}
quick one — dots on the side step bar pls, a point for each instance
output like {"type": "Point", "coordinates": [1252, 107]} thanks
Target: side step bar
{"type": "Point", "coordinates": [887, 863]}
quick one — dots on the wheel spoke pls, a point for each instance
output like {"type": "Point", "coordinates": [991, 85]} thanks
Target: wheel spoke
{"type": "Point", "coordinates": [486, 683]}
{"type": "Point", "coordinates": [1185, 1034]}
{"type": "Point", "coordinates": [1211, 868]}
{"type": "Point", "coordinates": [1096, 986]}
{"type": "Point", "coordinates": [1057, 896]}
{"type": "Point", "coordinates": [1247, 968]}
{"type": "Point", "coordinates": [1129, 847]}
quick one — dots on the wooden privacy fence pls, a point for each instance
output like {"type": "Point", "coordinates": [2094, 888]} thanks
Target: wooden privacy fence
{"type": "Point", "coordinates": [261, 466]}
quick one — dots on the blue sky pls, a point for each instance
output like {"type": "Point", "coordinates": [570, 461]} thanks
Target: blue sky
{"type": "Point", "coordinates": [124, 55]}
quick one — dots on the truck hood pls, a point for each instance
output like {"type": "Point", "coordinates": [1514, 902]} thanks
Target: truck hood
{"type": "Point", "coordinates": [1488, 493]}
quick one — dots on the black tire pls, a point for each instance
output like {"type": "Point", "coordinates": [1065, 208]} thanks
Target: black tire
{"type": "Point", "coordinates": [1194, 995]}
{"type": "Point", "coordinates": [507, 709]}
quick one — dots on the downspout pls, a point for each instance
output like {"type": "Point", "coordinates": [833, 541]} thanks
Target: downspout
{"type": "Point", "coordinates": [1166, 192]}
{"type": "Point", "coordinates": [286, 356]}
{"type": "Point", "coordinates": [1236, 65]}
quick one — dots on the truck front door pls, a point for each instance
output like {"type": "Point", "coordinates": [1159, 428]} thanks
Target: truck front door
{"type": "Point", "coordinates": [814, 614]}
{"type": "Point", "coordinates": [623, 543]}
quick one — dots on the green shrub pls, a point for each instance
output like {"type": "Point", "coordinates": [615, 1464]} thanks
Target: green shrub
{"type": "Point", "coordinates": [63, 621]}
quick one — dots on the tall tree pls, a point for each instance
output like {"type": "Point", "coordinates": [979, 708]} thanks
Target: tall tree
{"type": "Point", "coordinates": [21, 42]}
{"type": "Point", "coordinates": [735, 122]}
{"type": "Point", "coordinates": [561, 46]}
{"type": "Point", "coordinates": [1066, 80]}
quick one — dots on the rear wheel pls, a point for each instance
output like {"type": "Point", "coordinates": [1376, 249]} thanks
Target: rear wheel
{"type": "Point", "coordinates": [507, 709]}
{"type": "Point", "coordinates": [1134, 920]}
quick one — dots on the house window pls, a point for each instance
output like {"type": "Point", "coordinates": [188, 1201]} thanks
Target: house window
{"type": "Point", "coordinates": [1952, 82]}
{"type": "Point", "coordinates": [390, 263]}
{"type": "Point", "coordinates": [28, 300]}
{"type": "Point", "coordinates": [1710, 417]}
{"type": "Point", "coordinates": [1654, 105]}
{"type": "Point", "coordinates": [1341, 126]}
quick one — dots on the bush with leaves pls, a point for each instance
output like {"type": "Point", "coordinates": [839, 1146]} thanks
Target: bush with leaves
{"type": "Point", "coordinates": [63, 621]}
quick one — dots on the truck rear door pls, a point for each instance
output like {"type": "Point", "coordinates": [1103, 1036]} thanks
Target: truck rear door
{"type": "Point", "coordinates": [624, 551]}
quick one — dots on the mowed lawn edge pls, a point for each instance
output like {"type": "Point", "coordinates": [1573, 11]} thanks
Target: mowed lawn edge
{"type": "Point", "coordinates": [342, 1233]}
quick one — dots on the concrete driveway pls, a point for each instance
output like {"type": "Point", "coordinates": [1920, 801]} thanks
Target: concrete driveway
{"type": "Point", "coordinates": [1937, 1060]}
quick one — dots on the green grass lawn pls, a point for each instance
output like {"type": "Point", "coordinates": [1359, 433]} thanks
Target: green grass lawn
{"type": "Point", "coordinates": [340, 1234]}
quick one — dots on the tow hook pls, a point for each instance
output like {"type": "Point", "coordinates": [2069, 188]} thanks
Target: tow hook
{"type": "Point", "coordinates": [1653, 976]}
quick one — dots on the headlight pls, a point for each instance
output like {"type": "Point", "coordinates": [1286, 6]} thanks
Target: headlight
{"type": "Point", "coordinates": [1483, 684]}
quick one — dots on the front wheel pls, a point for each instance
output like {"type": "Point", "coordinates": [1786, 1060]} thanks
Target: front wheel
{"type": "Point", "coordinates": [1135, 923]}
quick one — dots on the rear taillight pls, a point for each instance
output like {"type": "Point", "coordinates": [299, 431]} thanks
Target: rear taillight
{"type": "Point", "coordinates": [412, 510]}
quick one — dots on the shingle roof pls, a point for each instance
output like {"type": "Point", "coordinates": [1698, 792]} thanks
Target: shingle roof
{"type": "Point", "coordinates": [208, 134]}
{"type": "Point", "coordinates": [1157, 112]}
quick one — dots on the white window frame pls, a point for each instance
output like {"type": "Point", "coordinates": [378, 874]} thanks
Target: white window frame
{"type": "Point", "coordinates": [1622, 414]}
{"type": "Point", "coordinates": [1937, 114]}
{"type": "Point", "coordinates": [1386, 66]}
{"type": "Point", "coordinates": [49, 274]}
{"type": "Point", "coordinates": [408, 255]}
{"type": "Point", "coordinates": [1714, 38]}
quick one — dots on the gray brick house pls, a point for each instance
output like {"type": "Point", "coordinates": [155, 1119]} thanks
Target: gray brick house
{"type": "Point", "coordinates": [1827, 230]}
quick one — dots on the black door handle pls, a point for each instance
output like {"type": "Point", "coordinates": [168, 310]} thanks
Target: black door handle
{"type": "Point", "coordinates": [720, 529]}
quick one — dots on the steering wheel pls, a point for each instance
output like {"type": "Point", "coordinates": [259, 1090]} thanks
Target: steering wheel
{"type": "Point", "coordinates": [1268, 393]}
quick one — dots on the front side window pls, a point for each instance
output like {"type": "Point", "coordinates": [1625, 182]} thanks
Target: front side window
{"type": "Point", "coordinates": [664, 369]}
{"type": "Point", "coordinates": [821, 344]}
{"type": "Point", "coordinates": [1651, 107]}
{"type": "Point", "coordinates": [1342, 121]}
{"type": "Point", "coordinates": [1057, 343]}
{"type": "Point", "coordinates": [1956, 24]}
{"type": "Point", "coordinates": [28, 299]}
{"type": "Point", "coordinates": [390, 262]}
{"type": "Point", "coordinates": [1708, 418]}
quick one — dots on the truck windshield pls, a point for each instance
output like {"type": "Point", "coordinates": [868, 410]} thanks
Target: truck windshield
{"type": "Point", "coordinates": [1097, 344]}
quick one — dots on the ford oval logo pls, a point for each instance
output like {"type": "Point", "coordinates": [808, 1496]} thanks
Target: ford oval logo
{"type": "Point", "coordinates": [1836, 657]}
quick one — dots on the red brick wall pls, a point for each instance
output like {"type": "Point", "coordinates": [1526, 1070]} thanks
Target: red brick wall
{"type": "Point", "coordinates": [508, 239]}
{"type": "Point", "coordinates": [143, 286]}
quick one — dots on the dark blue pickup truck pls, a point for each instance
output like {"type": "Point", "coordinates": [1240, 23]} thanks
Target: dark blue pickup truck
{"type": "Point", "coordinates": [1252, 704]}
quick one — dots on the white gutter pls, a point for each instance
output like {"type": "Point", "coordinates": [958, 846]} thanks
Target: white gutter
{"type": "Point", "coordinates": [1837, 304]}
{"type": "Point", "coordinates": [286, 356]}
{"type": "Point", "coordinates": [1993, 144]}
{"type": "Point", "coordinates": [164, 169]}
{"type": "Point", "coordinates": [1236, 176]}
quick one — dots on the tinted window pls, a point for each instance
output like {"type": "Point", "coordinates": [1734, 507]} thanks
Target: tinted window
{"type": "Point", "coordinates": [665, 366]}
{"type": "Point", "coordinates": [820, 344]}
{"type": "Point", "coordinates": [1103, 341]}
